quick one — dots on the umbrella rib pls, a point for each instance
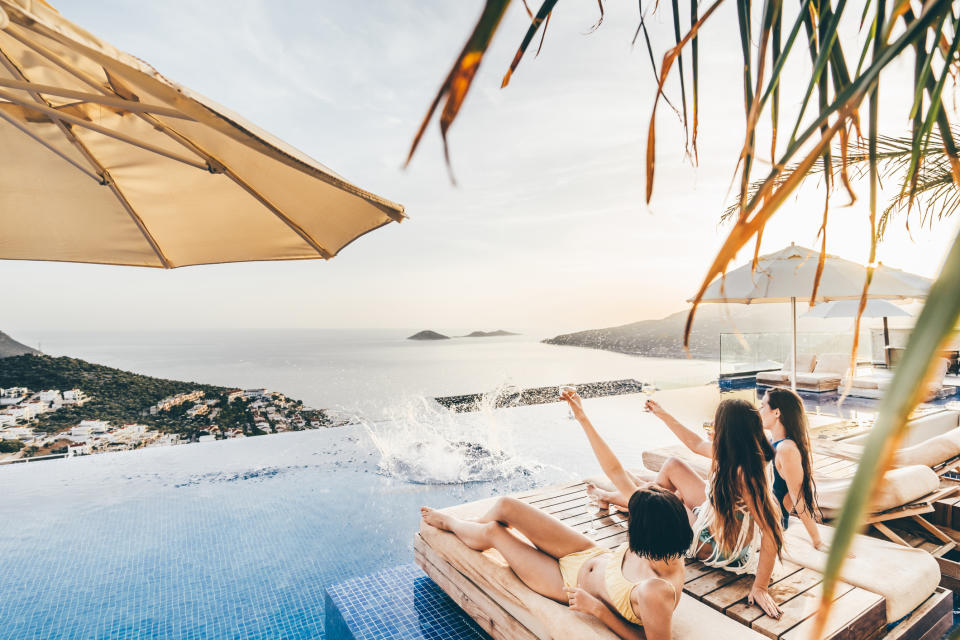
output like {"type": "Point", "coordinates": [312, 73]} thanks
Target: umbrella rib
{"type": "Point", "coordinates": [14, 69]}
{"type": "Point", "coordinates": [100, 169]}
{"type": "Point", "coordinates": [80, 122]}
{"type": "Point", "coordinates": [216, 166]}
{"type": "Point", "coordinates": [13, 121]}
{"type": "Point", "coordinates": [212, 165]}
{"type": "Point", "coordinates": [389, 208]}
{"type": "Point", "coordinates": [131, 106]}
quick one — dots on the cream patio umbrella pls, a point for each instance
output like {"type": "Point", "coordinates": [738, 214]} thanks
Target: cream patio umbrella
{"type": "Point", "coordinates": [849, 309]}
{"type": "Point", "coordinates": [107, 161]}
{"type": "Point", "coordinates": [788, 275]}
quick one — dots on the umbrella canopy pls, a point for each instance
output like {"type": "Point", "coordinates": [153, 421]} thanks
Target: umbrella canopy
{"type": "Point", "coordinates": [849, 308]}
{"type": "Point", "coordinates": [788, 276]}
{"type": "Point", "coordinates": [109, 162]}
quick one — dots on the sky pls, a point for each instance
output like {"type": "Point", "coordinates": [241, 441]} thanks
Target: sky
{"type": "Point", "coordinates": [547, 226]}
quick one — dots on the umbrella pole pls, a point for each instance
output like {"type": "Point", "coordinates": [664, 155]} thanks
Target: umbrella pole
{"type": "Point", "coordinates": [793, 317]}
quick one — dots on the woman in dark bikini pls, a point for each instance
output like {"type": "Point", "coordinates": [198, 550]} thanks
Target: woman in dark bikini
{"type": "Point", "coordinates": [781, 411]}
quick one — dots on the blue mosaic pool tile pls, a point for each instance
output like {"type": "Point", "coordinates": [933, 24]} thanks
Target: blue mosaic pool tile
{"type": "Point", "coordinates": [396, 604]}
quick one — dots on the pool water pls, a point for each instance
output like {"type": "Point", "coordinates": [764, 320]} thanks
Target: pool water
{"type": "Point", "coordinates": [239, 538]}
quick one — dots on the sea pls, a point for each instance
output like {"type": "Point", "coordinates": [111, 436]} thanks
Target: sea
{"type": "Point", "coordinates": [371, 373]}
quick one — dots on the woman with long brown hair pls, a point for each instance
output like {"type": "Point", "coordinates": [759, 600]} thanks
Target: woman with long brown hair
{"type": "Point", "coordinates": [781, 411]}
{"type": "Point", "coordinates": [736, 524]}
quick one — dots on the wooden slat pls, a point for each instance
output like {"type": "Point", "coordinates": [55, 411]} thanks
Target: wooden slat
{"type": "Point", "coordinates": [867, 609]}
{"type": "Point", "coordinates": [795, 595]}
{"type": "Point", "coordinates": [929, 621]}
{"type": "Point", "coordinates": [786, 577]}
{"type": "Point", "coordinates": [708, 583]}
{"type": "Point", "coordinates": [694, 569]}
{"type": "Point", "coordinates": [795, 611]}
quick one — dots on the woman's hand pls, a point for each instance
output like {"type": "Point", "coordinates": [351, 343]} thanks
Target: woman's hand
{"type": "Point", "coordinates": [654, 407]}
{"type": "Point", "coordinates": [580, 600]}
{"type": "Point", "coordinates": [573, 399]}
{"type": "Point", "coordinates": [825, 548]}
{"type": "Point", "coordinates": [762, 598]}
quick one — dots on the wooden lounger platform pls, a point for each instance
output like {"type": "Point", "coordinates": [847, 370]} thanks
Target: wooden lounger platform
{"type": "Point", "coordinates": [857, 614]}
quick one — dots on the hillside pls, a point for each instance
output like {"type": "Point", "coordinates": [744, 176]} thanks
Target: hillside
{"type": "Point", "coordinates": [115, 395]}
{"type": "Point", "coordinates": [10, 347]}
{"type": "Point", "coordinates": [663, 337]}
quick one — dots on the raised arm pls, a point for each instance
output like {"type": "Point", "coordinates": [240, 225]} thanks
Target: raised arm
{"type": "Point", "coordinates": [609, 462]}
{"type": "Point", "coordinates": [693, 441]}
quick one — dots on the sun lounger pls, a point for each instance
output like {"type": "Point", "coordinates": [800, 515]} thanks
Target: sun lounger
{"type": "Point", "coordinates": [875, 384]}
{"type": "Point", "coordinates": [714, 601]}
{"type": "Point", "coordinates": [814, 373]}
{"type": "Point", "coordinates": [908, 494]}
{"type": "Point", "coordinates": [805, 364]}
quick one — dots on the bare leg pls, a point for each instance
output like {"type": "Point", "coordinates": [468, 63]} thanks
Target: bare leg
{"type": "Point", "coordinates": [545, 532]}
{"type": "Point", "coordinates": [621, 501]}
{"type": "Point", "coordinates": [679, 477]}
{"type": "Point", "coordinates": [606, 498]}
{"type": "Point", "coordinates": [538, 570]}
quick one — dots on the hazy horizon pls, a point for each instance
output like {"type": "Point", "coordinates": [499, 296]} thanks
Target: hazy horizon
{"type": "Point", "coordinates": [548, 227]}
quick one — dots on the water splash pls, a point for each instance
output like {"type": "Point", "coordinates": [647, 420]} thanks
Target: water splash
{"type": "Point", "coordinates": [425, 443]}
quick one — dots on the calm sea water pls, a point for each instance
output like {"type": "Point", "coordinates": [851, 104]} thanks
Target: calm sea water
{"type": "Point", "coordinates": [368, 372]}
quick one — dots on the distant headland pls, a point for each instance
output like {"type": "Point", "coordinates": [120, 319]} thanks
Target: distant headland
{"type": "Point", "coordinates": [10, 347]}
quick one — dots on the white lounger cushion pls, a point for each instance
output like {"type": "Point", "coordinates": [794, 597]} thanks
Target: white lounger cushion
{"type": "Point", "coordinates": [903, 485]}
{"type": "Point", "coordinates": [904, 576]}
{"type": "Point", "coordinates": [550, 619]}
{"type": "Point", "coordinates": [805, 365]}
{"type": "Point", "coordinates": [931, 452]}
{"type": "Point", "coordinates": [833, 363]}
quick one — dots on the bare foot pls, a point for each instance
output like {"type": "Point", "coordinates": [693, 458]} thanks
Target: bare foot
{"type": "Point", "coordinates": [599, 495]}
{"type": "Point", "coordinates": [435, 519]}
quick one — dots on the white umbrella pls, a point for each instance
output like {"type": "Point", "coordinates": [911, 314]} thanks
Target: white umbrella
{"type": "Point", "coordinates": [849, 308]}
{"type": "Point", "coordinates": [107, 161]}
{"type": "Point", "coordinates": [788, 276]}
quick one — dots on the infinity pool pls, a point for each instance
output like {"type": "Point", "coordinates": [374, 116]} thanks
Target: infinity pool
{"type": "Point", "coordinates": [239, 538]}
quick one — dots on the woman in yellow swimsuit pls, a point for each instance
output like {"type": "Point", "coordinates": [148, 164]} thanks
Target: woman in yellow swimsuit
{"type": "Point", "coordinates": [638, 584]}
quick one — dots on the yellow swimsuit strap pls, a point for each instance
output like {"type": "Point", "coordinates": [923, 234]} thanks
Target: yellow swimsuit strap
{"type": "Point", "coordinates": [619, 588]}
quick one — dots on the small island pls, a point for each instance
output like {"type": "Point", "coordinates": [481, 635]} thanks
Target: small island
{"type": "Point", "coordinates": [428, 335]}
{"type": "Point", "coordinates": [490, 334]}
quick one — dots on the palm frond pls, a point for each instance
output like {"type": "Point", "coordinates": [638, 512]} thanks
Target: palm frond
{"type": "Point", "coordinates": [892, 160]}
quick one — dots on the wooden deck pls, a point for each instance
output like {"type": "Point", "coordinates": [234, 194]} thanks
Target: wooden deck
{"type": "Point", "coordinates": [857, 614]}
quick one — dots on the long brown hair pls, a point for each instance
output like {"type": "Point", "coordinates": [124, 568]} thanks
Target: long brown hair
{"type": "Point", "coordinates": [794, 421]}
{"type": "Point", "coordinates": [740, 455]}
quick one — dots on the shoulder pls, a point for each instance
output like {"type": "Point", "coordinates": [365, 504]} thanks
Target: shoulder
{"type": "Point", "coordinates": [787, 450]}
{"type": "Point", "coordinates": [652, 595]}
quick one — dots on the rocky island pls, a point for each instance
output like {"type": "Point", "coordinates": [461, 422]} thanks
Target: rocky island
{"type": "Point", "coordinates": [428, 335]}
